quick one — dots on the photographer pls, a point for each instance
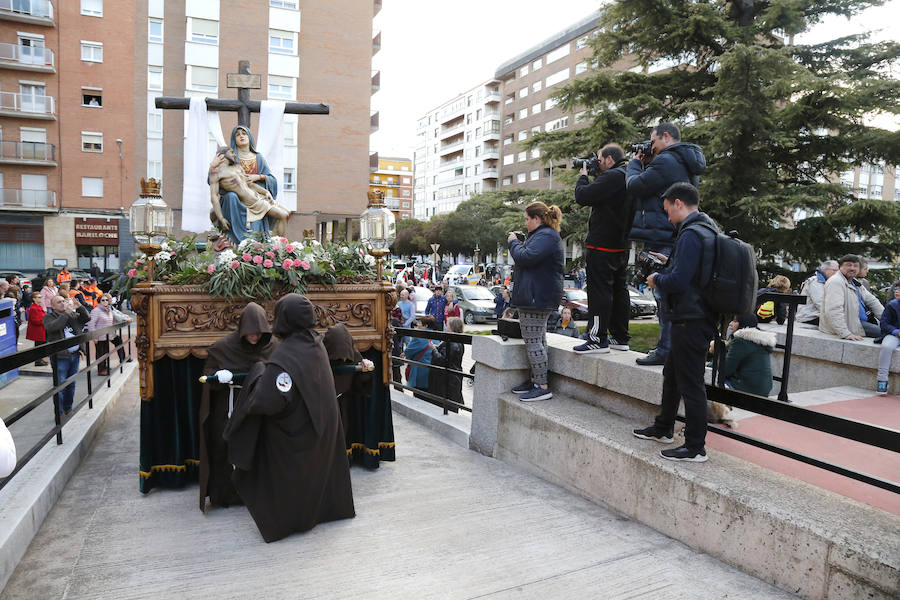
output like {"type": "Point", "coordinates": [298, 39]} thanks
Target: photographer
{"type": "Point", "coordinates": [659, 163]}
{"type": "Point", "coordinates": [606, 251]}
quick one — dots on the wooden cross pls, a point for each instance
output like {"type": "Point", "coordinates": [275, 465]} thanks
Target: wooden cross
{"type": "Point", "coordinates": [243, 81]}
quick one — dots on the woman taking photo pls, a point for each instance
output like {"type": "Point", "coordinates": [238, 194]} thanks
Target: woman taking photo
{"type": "Point", "coordinates": [101, 318]}
{"type": "Point", "coordinates": [540, 260]}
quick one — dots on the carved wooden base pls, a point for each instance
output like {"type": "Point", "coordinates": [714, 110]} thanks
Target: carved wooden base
{"type": "Point", "coordinates": [178, 321]}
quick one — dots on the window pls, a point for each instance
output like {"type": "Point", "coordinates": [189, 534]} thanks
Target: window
{"type": "Point", "coordinates": [523, 135]}
{"type": "Point", "coordinates": [549, 103]}
{"type": "Point", "coordinates": [154, 123]}
{"type": "Point", "coordinates": [558, 77]}
{"type": "Point", "coordinates": [557, 54]}
{"type": "Point", "coordinates": [507, 180]}
{"type": "Point", "coordinates": [508, 159]}
{"type": "Point", "coordinates": [523, 71]}
{"type": "Point", "coordinates": [536, 86]}
{"type": "Point", "coordinates": [523, 113]}
{"type": "Point", "coordinates": [91, 97]}
{"type": "Point", "coordinates": [536, 65]}
{"type": "Point", "coordinates": [478, 115]}
{"type": "Point", "coordinates": [581, 67]}
{"type": "Point", "coordinates": [204, 31]}
{"type": "Point", "coordinates": [92, 187]}
{"type": "Point", "coordinates": [536, 108]}
{"type": "Point", "coordinates": [155, 31]}
{"type": "Point", "coordinates": [522, 156]}
{"type": "Point", "coordinates": [154, 169]}
{"type": "Point", "coordinates": [204, 79]}
{"type": "Point", "coordinates": [534, 175]}
{"type": "Point", "coordinates": [523, 92]}
{"type": "Point", "coordinates": [91, 141]}
{"type": "Point", "coordinates": [92, 51]}
{"type": "Point", "coordinates": [290, 134]}
{"type": "Point", "coordinates": [536, 153]}
{"type": "Point", "coordinates": [508, 140]}
{"type": "Point", "coordinates": [558, 124]}
{"type": "Point", "coordinates": [92, 8]}
{"type": "Point", "coordinates": [535, 129]}
{"type": "Point", "coordinates": [281, 42]}
{"type": "Point", "coordinates": [291, 4]}
{"type": "Point", "coordinates": [581, 42]}
{"type": "Point", "coordinates": [154, 78]}
{"type": "Point", "coordinates": [520, 178]}
{"type": "Point", "coordinates": [281, 88]}
{"type": "Point", "coordinates": [290, 184]}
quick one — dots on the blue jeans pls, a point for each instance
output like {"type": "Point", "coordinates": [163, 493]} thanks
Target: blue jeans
{"type": "Point", "coordinates": [665, 328]}
{"type": "Point", "coordinates": [65, 368]}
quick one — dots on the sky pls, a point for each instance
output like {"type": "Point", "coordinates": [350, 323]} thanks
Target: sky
{"type": "Point", "coordinates": [432, 50]}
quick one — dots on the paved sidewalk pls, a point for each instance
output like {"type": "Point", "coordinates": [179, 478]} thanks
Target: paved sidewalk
{"type": "Point", "coordinates": [441, 522]}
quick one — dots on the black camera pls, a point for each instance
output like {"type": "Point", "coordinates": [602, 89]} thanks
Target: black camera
{"type": "Point", "coordinates": [592, 162]}
{"type": "Point", "coordinates": [645, 147]}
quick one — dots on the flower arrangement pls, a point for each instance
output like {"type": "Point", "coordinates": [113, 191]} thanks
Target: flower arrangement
{"type": "Point", "coordinates": [256, 268]}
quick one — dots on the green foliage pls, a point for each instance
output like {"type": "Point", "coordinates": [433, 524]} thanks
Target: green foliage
{"type": "Point", "coordinates": [778, 122]}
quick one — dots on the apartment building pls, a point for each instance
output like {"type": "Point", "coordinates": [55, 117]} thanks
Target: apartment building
{"type": "Point", "coordinates": [458, 150]}
{"type": "Point", "coordinates": [394, 179]}
{"type": "Point", "coordinates": [190, 47]}
{"type": "Point", "coordinates": [63, 105]}
{"type": "Point", "coordinates": [528, 81]}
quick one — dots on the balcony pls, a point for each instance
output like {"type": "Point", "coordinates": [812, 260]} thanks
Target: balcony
{"type": "Point", "coordinates": [490, 154]}
{"type": "Point", "coordinates": [450, 164]}
{"type": "Point", "coordinates": [376, 43]}
{"type": "Point", "coordinates": [459, 128]}
{"type": "Point", "coordinates": [492, 97]}
{"type": "Point", "coordinates": [35, 12]}
{"type": "Point", "coordinates": [373, 161]}
{"type": "Point", "coordinates": [490, 173]}
{"type": "Point", "coordinates": [27, 153]}
{"type": "Point", "coordinates": [377, 7]}
{"type": "Point", "coordinates": [373, 122]}
{"type": "Point", "coordinates": [376, 81]}
{"type": "Point", "coordinates": [451, 148]}
{"type": "Point", "coordinates": [28, 106]}
{"type": "Point", "coordinates": [39, 200]}
{"type": "Point", "coordinates": [26, 58]}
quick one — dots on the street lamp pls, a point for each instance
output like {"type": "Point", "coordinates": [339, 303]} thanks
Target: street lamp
{"type": "Point", "coordinates": [150, 220]}
{"type": "Point", "coordinates": [377, 227]}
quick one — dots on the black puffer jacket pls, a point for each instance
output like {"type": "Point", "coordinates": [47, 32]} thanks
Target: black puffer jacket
{"type": "Point", "coordinates": [611, 210]}
{"type": "Point", "coordinates": [678, 162]}
{"type": "Point", "coordinates": [540, 261]}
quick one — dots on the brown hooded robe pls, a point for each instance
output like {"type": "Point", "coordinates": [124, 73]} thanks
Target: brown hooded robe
{"type": "Point", "coordinates": [285, 437]}
{"type": "Point", "coordinates": [237, 355]}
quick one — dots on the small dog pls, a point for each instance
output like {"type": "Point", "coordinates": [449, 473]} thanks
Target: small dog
{"type": "Point", "coordinates": [716, 412]}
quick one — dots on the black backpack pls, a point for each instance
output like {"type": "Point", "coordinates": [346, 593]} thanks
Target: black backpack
{"type": "Point", "coordinates": [728, 279]}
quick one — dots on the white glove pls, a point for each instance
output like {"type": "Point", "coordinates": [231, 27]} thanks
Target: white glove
{"type": "Point", "coordinates": [224, 376]}
{"type": "Point", "coordinates": [367, 365]}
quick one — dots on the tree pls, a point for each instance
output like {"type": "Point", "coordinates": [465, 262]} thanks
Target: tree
{"type": "Point", "coordinates": [778, 122]}
{"type": "Point", "coordinates": [405, 243]}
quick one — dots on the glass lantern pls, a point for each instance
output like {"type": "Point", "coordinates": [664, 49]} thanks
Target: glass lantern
{"type": "Point", "coordinates": [150, 221]}
{"type": "Point", "coordinates": [377, 228]}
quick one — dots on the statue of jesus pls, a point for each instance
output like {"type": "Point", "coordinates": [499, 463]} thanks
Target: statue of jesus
{"type": "Point", "coordinates": [237, 176]}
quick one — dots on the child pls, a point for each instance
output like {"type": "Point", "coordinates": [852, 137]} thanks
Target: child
{"type": "Point", "coordinates": [35, 331]}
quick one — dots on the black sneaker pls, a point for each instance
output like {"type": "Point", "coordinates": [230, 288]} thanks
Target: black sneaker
{"type": "Point", "coordinates": [536, 393]}
{"type": "Point", "coordinates": [651, 359]}
{"type": "Point", "coordinates": [682, 453]}
{"type": "Point", "coordinates": [592, 347]}
{"type": "Point", "coordinates": [655, 434]}
{"type": "Point", "coordinates": [523, 387]}
{"type": "Point", "coordinates": [617, 345]}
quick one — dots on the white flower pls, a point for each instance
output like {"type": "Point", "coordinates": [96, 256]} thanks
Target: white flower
{"type": "Point", "coordinates": [226, 256]}
{"type": "Point", "coordinates": [165, 246]}
{"type": "Point", "coordinates": [244, 243]}
{"type": "Point", "coordinates": [345, 250]}
{"type": "Point", "coordinates": [370, 260]}
{"type": "Point", "coordinates": [162, 256]}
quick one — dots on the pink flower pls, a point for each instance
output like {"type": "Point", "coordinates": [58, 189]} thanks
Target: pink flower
{"type": "Point", "coordinates": [132, 273]}
{"type": "Point", "coordinates": [234, 264]}
{"type": "Point", "coordinates": [257, 259]}
{"type": "Point", "coordinates": [297, 262]}
{"type": "Point", "coordinates": [270, 254]}
{"type": "Point", "coordinates": [276, 246]}
{"type": "Point", "coordinates": [305, 265]}
{"type": "Point", "coordinates": [246, 257]}
{"type": "Point", "coordinates": [287, 264]}
{"type": "Point", "coordinates": [268, 263]}
{"type": "Point", "coordinates": [210, 269]}
{"type": "Point", "coordinates": [139, 261]}
{"type": "Point", "coordinates": [289, 247]}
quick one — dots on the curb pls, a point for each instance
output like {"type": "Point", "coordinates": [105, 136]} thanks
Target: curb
{"type": "Point", "coordinates": [453, 426]}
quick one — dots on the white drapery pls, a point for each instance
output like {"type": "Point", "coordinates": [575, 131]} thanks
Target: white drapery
{"type": "Point", "coordinates": [270, 143]}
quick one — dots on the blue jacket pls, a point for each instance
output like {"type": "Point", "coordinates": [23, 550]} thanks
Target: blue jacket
{"type": "Point", "coordinates": [418, 376]}
{"type": "Point", "coordinates": [678, 281]}
{"type": "Point", "coordinates": [890, 320]}
{"type": "Point", "coordinates": [435, 308]}
{"type": "Point", "coordinates": [540, 261]}
{"type": "Point", "coordinates": [500, 305]}
{"type": "Point", "coordinates": [678, 162]}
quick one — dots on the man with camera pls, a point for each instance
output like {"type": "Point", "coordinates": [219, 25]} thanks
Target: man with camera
{"type": "Point", "coordinates": [659, 163]}
{"type": "Point", "coordinates": [606, 250]}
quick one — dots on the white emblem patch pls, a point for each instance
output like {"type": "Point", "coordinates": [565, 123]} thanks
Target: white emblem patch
{"type": "Point", "coordinates": [283, 382]}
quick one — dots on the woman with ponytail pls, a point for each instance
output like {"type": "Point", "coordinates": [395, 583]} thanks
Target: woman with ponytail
{"type": "Point", "coordinates": [537, 290]}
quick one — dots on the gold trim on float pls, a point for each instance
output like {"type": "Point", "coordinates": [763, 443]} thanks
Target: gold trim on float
{"type": "Point", "coordinates": [169, 468]}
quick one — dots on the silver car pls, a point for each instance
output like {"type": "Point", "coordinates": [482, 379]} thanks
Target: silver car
{"type": "Point", "coordinates": [476, 303]}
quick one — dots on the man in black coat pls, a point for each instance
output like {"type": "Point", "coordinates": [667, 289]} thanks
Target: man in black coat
{"type": "Point", "coordinates": [647, 177]}
{"type": "Point", "coordinates": [693, 328]}
{"type": "Point", "coordinates": [606, 252]}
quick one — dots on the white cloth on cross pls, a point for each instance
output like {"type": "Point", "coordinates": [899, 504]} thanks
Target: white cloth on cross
{"type": "Point", "coordinates": [270, 143]}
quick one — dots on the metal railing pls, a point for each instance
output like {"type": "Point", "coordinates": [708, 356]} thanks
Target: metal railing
{"type": "Point", "coordinates": [13, 198]}
{"type": "Point", "coordinates": [12, 150]}
{"type": "Point", "coordinates": [443, 336]}
{"type": "Point", "coordinates": [26, 357]}
{"type": "Point", "coordinates": [780, 409]}
{"type": "Point", "coordinates": [32, 8]}
{"type": "Point", "coordinates": [27, 103]}
{"type": "Point", "coordinates": [26, 55]}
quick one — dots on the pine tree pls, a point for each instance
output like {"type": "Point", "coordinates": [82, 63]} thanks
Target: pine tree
{"type": "Point", "coordinates": [778, 122]}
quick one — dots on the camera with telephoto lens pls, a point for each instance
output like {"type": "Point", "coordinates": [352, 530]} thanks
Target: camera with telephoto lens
{"type": "Point", "coordinates": [645, 147]}
{"type": "Point", "coordinates": [592, 162]}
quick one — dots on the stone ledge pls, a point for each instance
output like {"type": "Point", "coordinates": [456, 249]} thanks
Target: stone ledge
{"type": "Point", "coordinates": [26, 500]}
{"type": "Point", "coordinates": [798, 537]}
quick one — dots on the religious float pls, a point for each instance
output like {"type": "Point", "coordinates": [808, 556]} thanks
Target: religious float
{"type": "Point", "coordinates": [189, 294]}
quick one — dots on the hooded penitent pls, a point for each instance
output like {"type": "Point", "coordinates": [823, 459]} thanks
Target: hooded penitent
{"type": "Point", "coordinates": [285, 437]}
{"type": "Point", "coordinates": [236, 354]}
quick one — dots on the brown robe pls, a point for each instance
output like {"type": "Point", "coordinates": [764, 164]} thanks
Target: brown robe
{"type": "Point", "coordinates": [285, 437]}
{"type": "Point", "coordinates": [235, 354]}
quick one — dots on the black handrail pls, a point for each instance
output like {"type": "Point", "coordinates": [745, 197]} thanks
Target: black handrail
{"type": "Point", "coordinates": [25, 357]}
{"type": "Point", "coordinates": [444, 336]}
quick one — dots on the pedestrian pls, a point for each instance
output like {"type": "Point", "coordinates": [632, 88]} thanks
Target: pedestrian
{"type": "Point", "coordinates": [814, 290]}
{"type": "Point", "coordinates": [35, 330]}
{"type": "Point", "coordinates": [65, 319]}
{"type": "Point", "coordinates": [47, 292]}
{"type": "Point", "coordinates": [452, 308]}
{"type": "Point", "coordinates": [769, 310]}
{"type": "Point", "coordinates": [436, 308]}
{"type": "Point", "coordinates": [889, 340]}
{"type": "Point", "coordinates": [540, 261]}
{"type": "Point", "coordinates": [447, 384]}
{"type": "Point", "coordinates": [565, 325]}
{"type": "Point", "coordinates": [606, 252]}
{"type": "Point", "coordinates": [419, 350]}
{"type": "Point", "coordinates": [101, 318]}
{"type": "Point", "coordinates": [693, 328]}
{"type": "Point", "coordinates": [501, 302]}
{"type": "Point", "coordinates": [748, 362]}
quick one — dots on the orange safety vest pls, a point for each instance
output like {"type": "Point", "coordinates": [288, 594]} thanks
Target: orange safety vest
{"type": "Point", "coordinates": [63, 277]}
{"type": "Point", "coordinates": [93, 289]}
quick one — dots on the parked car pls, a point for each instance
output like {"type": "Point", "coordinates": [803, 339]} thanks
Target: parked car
{"type": "Point", "coordinates": [576, 301]}
{"type": "Point", "coordinates": [641, 306]}
{"type": "Point", "coordinates": [23, 280]}
{"type": "Point", "coordinates": [476, 303]}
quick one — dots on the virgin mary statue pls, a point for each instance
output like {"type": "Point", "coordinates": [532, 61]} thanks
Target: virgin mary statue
{"type": "Point", "coordinates": [255, 171]}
